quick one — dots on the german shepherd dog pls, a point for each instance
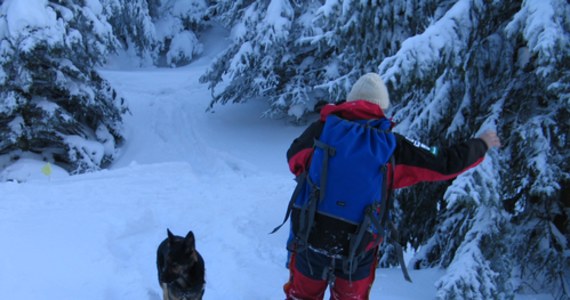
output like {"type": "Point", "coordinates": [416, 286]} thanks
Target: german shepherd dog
{"type": "Point", "coordinates": [180, 268]}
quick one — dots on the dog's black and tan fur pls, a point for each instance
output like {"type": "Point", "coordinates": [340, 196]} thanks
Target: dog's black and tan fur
{"type": "Point", "coordinates": [180, 268]}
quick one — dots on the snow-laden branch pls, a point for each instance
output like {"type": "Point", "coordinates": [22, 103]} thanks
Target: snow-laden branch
{"type": "Point", "coordinates": [541, 23]}
{"type": "Point", "coordinates": [278, 19]}
{"type": "Point", "coordinates": [440, 44]}
{"type": "Point", "coordinates": [471, 274]}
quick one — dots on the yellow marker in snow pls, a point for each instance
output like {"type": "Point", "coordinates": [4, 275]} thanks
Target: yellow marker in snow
{"type": "Point", "coordinates": [47, 169]}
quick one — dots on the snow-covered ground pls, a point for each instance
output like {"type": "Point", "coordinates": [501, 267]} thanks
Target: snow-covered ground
{"type": "Point", "coordinates": [222, 175]}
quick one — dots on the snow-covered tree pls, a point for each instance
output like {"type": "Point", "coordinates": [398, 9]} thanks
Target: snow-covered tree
{"type": "Point", "coordinates": [178, 26]}
{"type": "Point", "coordinates": [53, 103]}
{"type": "Point", "coordinates": [537, 173]}
{"type": "Point", "coordinates": [502, 65]}
{"type": "Point", "coordinates": [133, 26]}
{"type": "Point", "coordinates": [469, 241]}
{"type": "Point", "coordinates": [300, 53]}
{"type": "Point", "coordinates": [256, 60]}
{"type": "Point", "coordinates": [158, 32]}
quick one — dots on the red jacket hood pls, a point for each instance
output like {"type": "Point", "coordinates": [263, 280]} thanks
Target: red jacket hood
{"type": "Point", "coordinates": [353, 110]}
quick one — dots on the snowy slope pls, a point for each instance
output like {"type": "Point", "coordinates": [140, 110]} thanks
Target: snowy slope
{"type": "Point", "coordinates": [222, 175]}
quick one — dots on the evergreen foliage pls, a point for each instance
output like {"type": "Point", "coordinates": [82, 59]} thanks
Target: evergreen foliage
{"type": "Point", "coordinates": [159, 32]}
{"type": "Point", "coordinates": [53, 104]}
{"type": "Point", "coordinates": [133, 26]}
{"type": "Point", "coordinates": [299, 53]}
{"type": "Point", "coordinates": [500, 65]}
{"type": "Point", "coordinates": [179, 23]}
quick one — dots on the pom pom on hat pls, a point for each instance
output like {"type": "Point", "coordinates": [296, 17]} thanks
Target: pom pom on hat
{"type": "Point", "coordinates": [370, 87]}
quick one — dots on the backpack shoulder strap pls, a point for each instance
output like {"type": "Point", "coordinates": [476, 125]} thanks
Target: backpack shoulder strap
{"type": "Point", "coordinates": [328, 152]}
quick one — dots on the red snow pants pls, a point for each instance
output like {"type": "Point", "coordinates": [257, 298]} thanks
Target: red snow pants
{"type": "Point", "coordinates": [310, 273]}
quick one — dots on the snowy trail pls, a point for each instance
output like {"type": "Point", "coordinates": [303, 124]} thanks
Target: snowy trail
{"type": "Point", "coordinates": [94, 236]}
{"type": "Point", "coordinates": [172, 124]}
{"type": "Point", "coordinates": [226, 201]}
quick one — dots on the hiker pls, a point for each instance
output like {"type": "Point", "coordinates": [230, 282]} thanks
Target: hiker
{"type": "Point", "coordinates": [311, 267]}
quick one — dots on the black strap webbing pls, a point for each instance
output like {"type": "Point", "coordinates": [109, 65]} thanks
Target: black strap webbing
{"type": "Point", "coordinates": [307, 215]}
{"type": "Point", "coordinates": [395, 235]}
{"type": "Point", "coordinates": [399, 250]}
{"type": "Point", "coordinates": [300, 183]}
{"type": "Point", "coordinates": [328, 152]}
{"type": "Point", "coordinates": [355, 241]}
{"type": "Point", "coordinates": [387, 200]}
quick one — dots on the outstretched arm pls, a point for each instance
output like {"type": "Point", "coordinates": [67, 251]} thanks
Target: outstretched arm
{"type": "Point", "coordinates": [416, 163]}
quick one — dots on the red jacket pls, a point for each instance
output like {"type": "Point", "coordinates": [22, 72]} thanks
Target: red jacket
{"type": "Point", "coordinates": [414, 162]}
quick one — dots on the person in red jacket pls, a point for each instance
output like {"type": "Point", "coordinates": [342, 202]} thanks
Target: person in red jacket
{"type": "Point", "coordinates": [310, 273]}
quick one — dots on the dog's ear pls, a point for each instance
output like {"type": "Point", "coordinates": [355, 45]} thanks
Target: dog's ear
{"type": "Point", "coordinates": [170, 236]}
{"type": "Point", "coordinates": [189, 240]}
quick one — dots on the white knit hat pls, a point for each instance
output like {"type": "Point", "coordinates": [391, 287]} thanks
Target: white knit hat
{"type": "Point", "coordinates": [370, 87]}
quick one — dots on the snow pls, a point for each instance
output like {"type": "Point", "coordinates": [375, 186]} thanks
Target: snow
{"type": "Point", "coordinates": [543, 33]}
{"type": "Point", "coordinates": [238, 31]}
{"type": "Point", "coordinates": [35, 17]}
{"type": "Point", "coordinates": [222, 175]}
{"type": "Point", "coordinates": [240, 61]}
{"type": "Point", "coordinates": [91, 150]}
{"type": "Point", "coordinates": [420, 54]}
{"type": "Point", "coordinates": [278, 17]}
{"type": "Point", "coordinates": [23, 14]}
{"type": "Point", "coordinates": [183, 47]}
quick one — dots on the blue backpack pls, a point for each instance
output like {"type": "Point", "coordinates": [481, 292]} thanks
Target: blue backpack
{"type": "Point", "coordinates": [341, 204]}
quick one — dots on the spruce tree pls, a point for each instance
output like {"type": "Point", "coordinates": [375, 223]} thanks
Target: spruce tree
{"type": "Point", "coordinates": [133, 26]}
{"type": "Point", "coordinates": [258, 58]}
{"type": "Point", "coordinates": [158, 32]}
{"type": "Point", "coordinates": [537, 126]}
{"type": "Point", "coordinates": [53, 103]}
{"type": "Point", "coordinates": [179, 25]}
{"type": "Point", "coordinates": [502, 65]}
